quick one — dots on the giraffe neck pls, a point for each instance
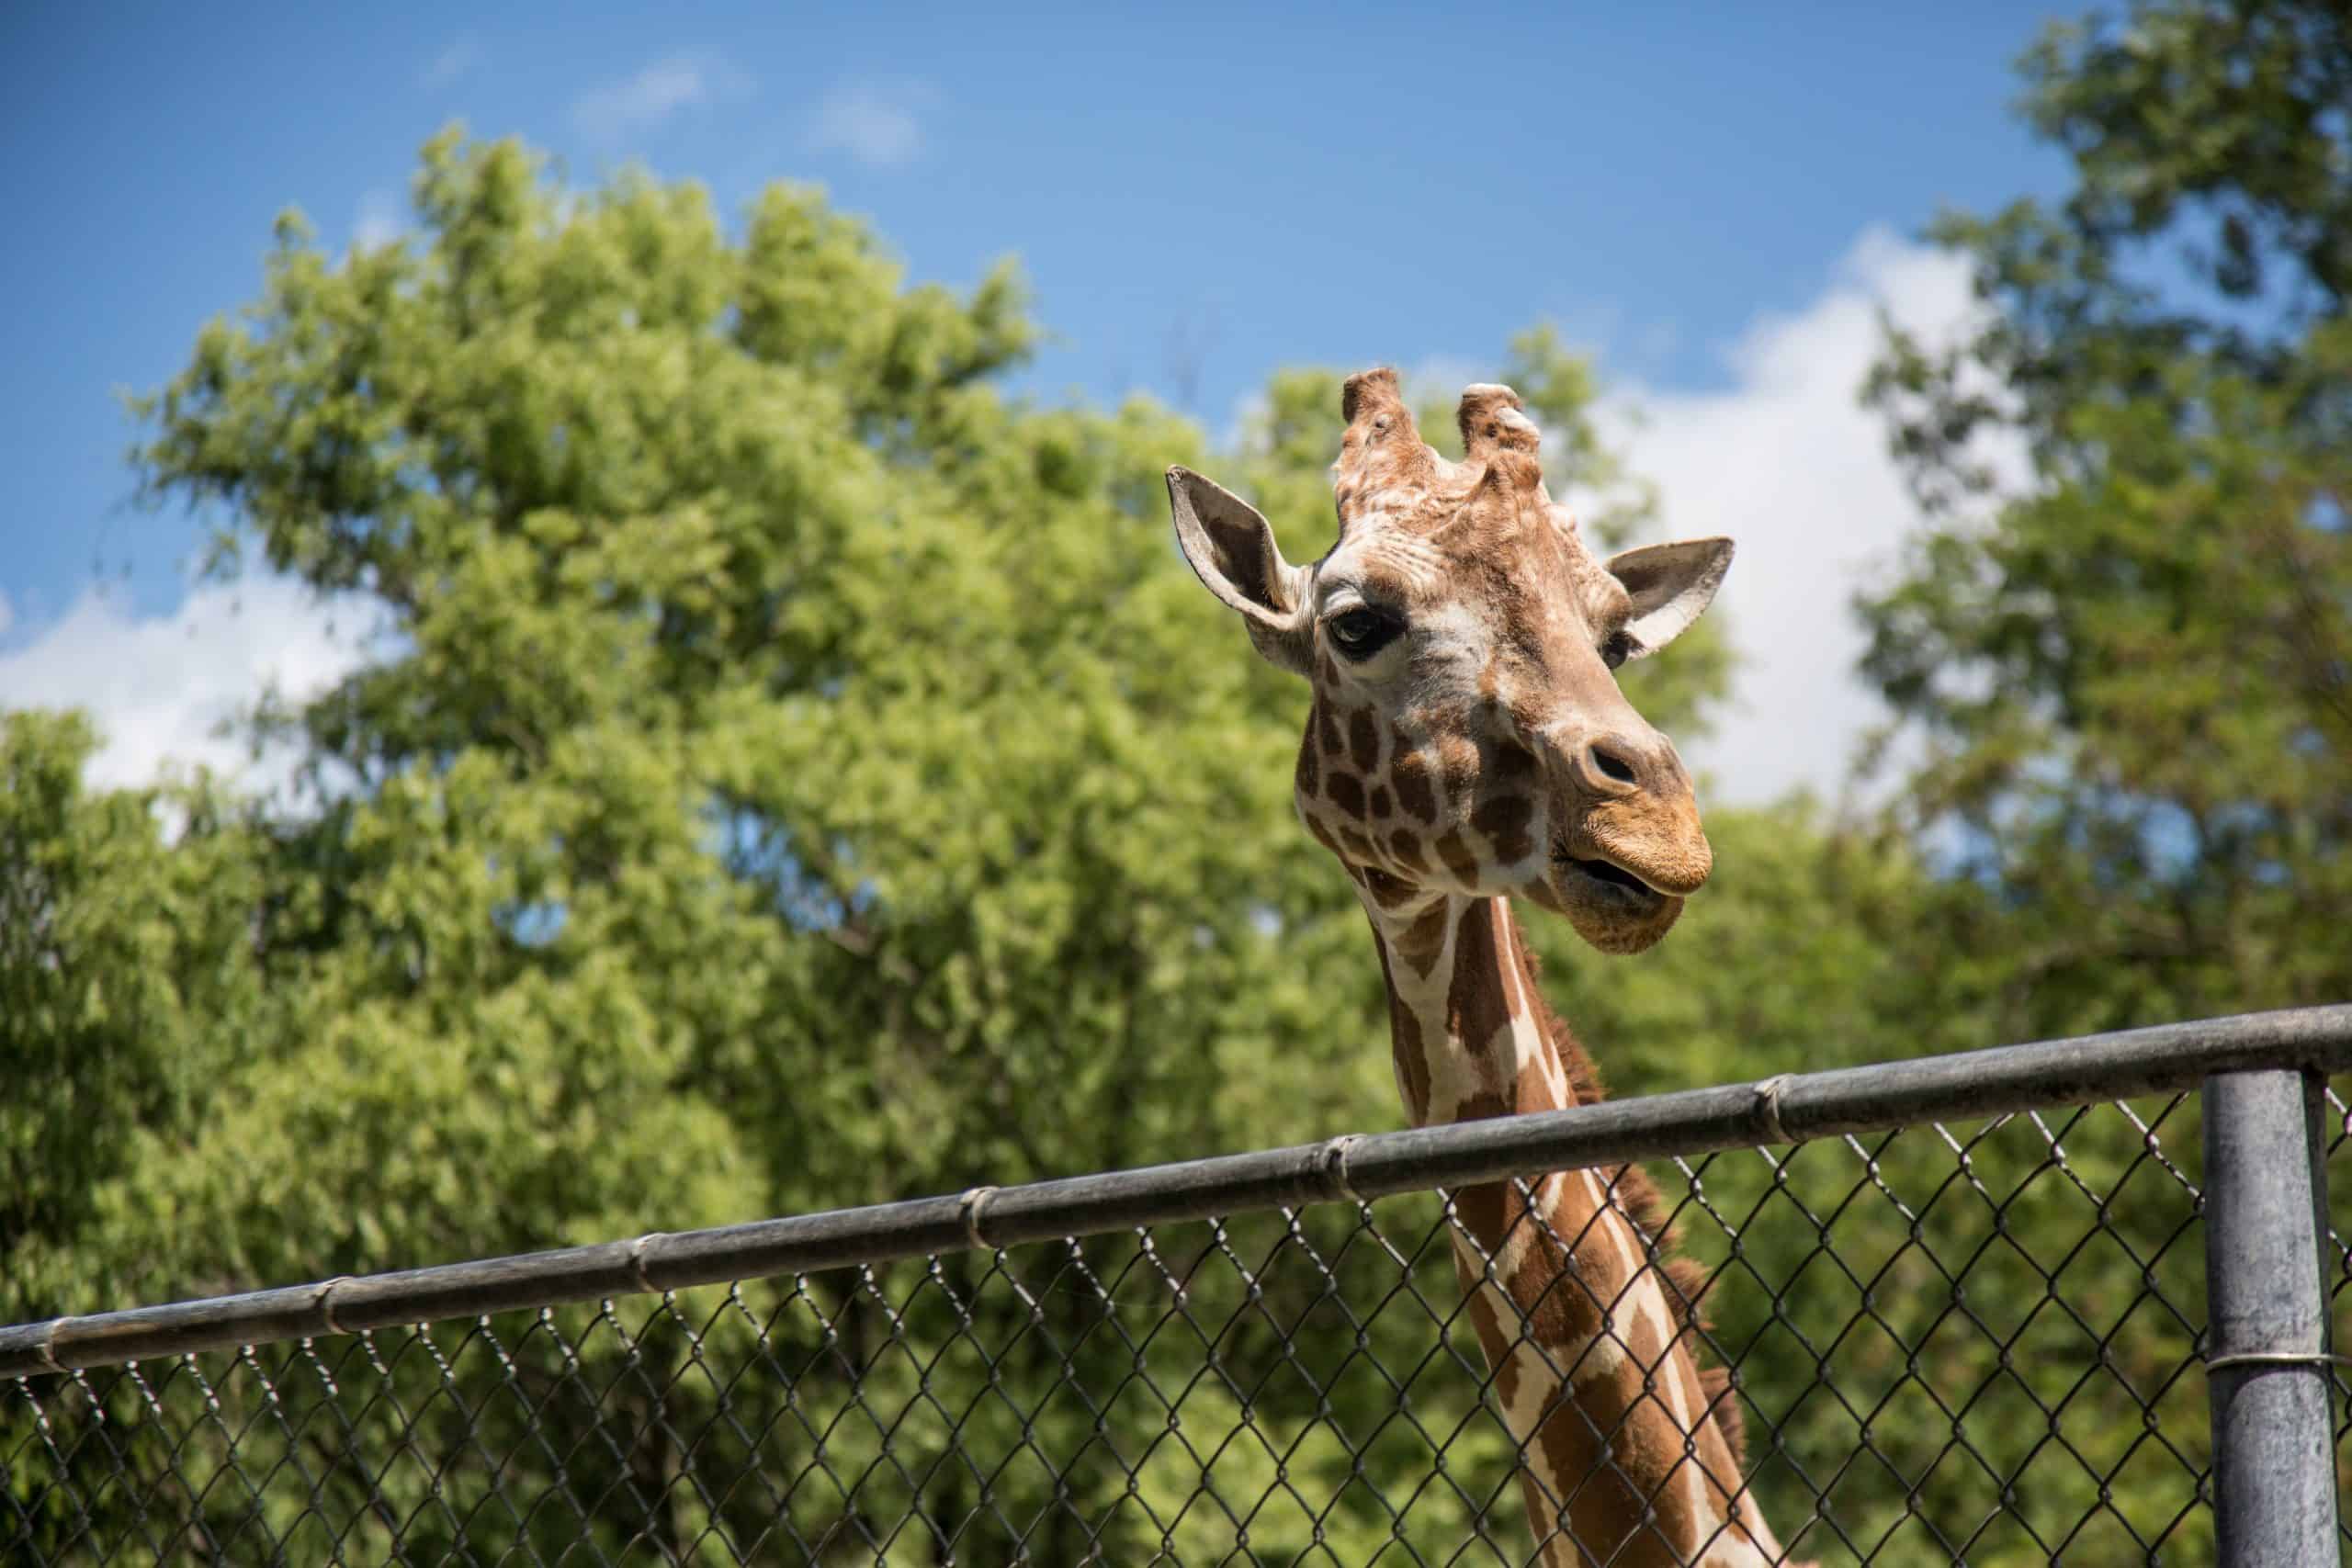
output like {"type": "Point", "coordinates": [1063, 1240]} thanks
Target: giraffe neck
{"type": "Point", "coordinates": [1629, 1454]}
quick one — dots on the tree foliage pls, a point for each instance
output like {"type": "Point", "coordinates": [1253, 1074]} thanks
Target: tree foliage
{"type": "Point", "coordinates": [2131, 665]}
{"type": "Point", "coordinates": [789, 772]}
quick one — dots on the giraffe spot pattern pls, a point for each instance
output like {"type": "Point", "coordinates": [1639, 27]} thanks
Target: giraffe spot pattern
{"type": "Point", "coordinates": [1572, 1286]}
{"type": "Point", "coordinates": [1607, 1444]}
{"type": "Point", "coordinates": [1504, 819]}
{"type": "Point", "coordinates": [1410, 775]}
{"type": "Point", "coordinates": [1424, 940]}
{"type": "Point", "coordinates": [1552, 1310]}
{"type": "Point", "coordinates": [1573, 1308]}
{"type": "Point", "coordinates": [1454, 851]}
{"type": "Point", "coordinates": [1346, 794]}
{"type": "Point", "coordinates": [1364, 740]}
{"type": "Point", "coordinates": [1513, 761]}
{"type": "Point", "coordinates": [1310, 773]}
{"type": "Point", "coordinates": [1404, 1032]}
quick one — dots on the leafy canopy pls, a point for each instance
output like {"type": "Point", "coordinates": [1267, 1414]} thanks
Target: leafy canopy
{"type": "Point", "coordinates": [2132, 670]}
{"type": "Point", "coordinates": [790, 774]}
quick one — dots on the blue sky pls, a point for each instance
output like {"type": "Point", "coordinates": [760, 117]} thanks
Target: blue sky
{"type": "Point", "coordinates": [1196, 196]}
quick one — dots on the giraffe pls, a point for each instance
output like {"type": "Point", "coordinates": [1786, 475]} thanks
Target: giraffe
{"type": "Point", "coordinates": [1468, 742]}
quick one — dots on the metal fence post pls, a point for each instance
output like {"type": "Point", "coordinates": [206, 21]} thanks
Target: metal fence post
{"type": "Point", "coordinates": [2266, 1369]}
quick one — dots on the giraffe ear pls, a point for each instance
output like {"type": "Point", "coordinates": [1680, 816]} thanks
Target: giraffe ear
{"type": "Point", "coordinates": [1671, 586]}
{"type": "Point", "coordinates": [1232, 551]}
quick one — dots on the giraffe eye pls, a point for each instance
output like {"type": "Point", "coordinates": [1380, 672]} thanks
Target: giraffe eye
{"type": "Point", "coordinates": [1617, 649]}
{"type": "Point", "coordinates": [1362, 632]}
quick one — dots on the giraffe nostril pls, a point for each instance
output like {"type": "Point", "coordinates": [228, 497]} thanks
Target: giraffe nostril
{"type": "Point", "coordinates": [1612, 765]}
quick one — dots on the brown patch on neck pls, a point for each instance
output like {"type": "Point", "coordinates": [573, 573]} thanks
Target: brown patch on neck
{"type": "Point", "coordinates": [1564, 1253]}
{"type": "Point", "coordinates": [1405, 1045]}
{"type": "Point", "coordinates": [1634, 1195]}
{"type": "Point", "coordinates": [1420, 944]}
{"type": "Point", "coordinates": [1476, 1003]}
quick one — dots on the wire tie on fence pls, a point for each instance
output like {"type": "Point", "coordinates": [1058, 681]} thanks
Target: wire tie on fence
{"type": "Point", "coordinates": [1335, 1167]}
{"type": "Point", "coordinates": [969, 1205]}
{"type": "Point", "coordinates": [637, 1261]}
{"type": "Point", "coordinates": [1767, 1106]}
{"type": "Point", "coordinates": [323, 1298]}
{"type": "Point", "coordinates": [2276, 1359]}
{"type": "Point", "coordinates": [47, 1348]}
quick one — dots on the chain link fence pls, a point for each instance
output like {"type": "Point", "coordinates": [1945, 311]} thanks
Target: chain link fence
{"type": "Point", "coordinates": [1965, 1319]}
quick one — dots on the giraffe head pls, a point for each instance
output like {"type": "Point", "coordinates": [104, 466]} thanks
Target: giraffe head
{"type": "Point", "coordinates": [1467, 735]}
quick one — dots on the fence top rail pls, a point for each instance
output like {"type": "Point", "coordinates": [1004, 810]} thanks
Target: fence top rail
{"type": "Point", "coordinates": [1791, 1107]}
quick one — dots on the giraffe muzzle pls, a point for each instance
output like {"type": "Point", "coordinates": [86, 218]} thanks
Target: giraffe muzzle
{"type": "Point", "coordinates": [1608, 874]}
{"type": "Point", "coordinates": [1612, 908]}
{"type": "Point", "coordinates": [1652, 835]}
{"type": "Point", "coordinates": [1620, 869]}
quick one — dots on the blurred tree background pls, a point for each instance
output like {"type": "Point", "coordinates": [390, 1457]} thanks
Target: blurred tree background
{"type": "Point", "coordinates": [794, 774]}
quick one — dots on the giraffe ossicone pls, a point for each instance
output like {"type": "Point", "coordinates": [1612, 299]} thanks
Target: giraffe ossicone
{"type": "Point", "coordinates": [1466, 744]}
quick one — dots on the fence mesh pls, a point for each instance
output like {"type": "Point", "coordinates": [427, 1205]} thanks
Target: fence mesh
{"type": "Point", "coordinates": [1969, 1343]}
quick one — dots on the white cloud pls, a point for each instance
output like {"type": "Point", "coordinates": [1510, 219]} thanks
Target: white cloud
{"type": "Point", "coordinates": [662, 89]}
{"type": "Point", "coordinates": [158, 687]}
{"type": "Point", "coordinates": [1790, 464]}
{"type": "Point", "coordinates": [877, 123]}
{"type": "Point", "coordinates": [461, 58]}
{"type": "Point", "coordinates": [7, 615]}
{"type": "Point", "coordinates": [380, 220]}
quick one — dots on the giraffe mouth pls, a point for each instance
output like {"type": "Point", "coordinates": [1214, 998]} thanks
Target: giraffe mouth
{"type": "Point", "coordinates": [1609, 874]}
{"type": "Point", "coordinates": [1611, 906]}
{"type": "Point", "coordinates": [1601, 871]}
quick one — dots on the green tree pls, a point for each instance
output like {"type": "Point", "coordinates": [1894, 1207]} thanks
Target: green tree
{"type": "Point", "coordinates": [2132, 673]}
{"type": "Point", "coordinates": [126, 986]}
{"type": "Point", "coordinates": [793, 776]}
{"type": "Point", "coordinates": [2121, 654]}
